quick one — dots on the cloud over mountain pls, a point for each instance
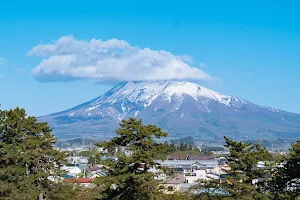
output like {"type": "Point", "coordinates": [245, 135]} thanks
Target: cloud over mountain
{"type": "Point", "coordinates": [114, 60]}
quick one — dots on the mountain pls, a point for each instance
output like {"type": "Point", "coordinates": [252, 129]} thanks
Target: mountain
{"type": "Point", "coordinates": [182, 109]}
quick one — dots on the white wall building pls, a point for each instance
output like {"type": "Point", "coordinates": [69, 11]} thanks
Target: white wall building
{"type": "Point", "coordinates": [72, 170]}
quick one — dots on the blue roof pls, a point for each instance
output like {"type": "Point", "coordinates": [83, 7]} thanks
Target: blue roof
{"type": "Point", "coordinates": [68, 176]}
{"type": "Point", "coordinates": [212, 191]}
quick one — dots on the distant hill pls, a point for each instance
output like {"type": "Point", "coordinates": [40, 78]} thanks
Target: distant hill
{"type": "Point", "coordinates": [275, 144]}
{"type": "Point", "coordinates": [187, 140]}
{"type": "Point", "coordinates": [76, 142]}
{"type": "Point", "coordinates": [183, 109]}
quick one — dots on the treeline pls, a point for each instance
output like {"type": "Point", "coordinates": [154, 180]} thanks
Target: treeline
{"type": "Point", "coordinates": [183, 147]}
{"type": "Point", "coordinates": [30, 167]}
{"type": "Point", "coordinates": [186, 140]}
{"type": "Point", "coordinates": [76, 142]}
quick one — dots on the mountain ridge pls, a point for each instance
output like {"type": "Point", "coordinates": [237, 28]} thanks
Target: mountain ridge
{"type": "Point", "coordinates": [179, 107]}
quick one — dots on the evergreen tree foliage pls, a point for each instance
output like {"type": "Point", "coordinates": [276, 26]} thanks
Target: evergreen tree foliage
{"type": "Point", "coordinates": [286, 177]}
{"type": "Point", "coordinates": [185, 147]}
{"type": "Point", "coordinates": [172, 147]}
{"type": "Point", "coordinates": [181, 146]}
{"type": "Point", "coordinates": [71, 191]}
{"type": "Point", "coordinates": [27, 157]}
{"type": "Point", "coordinates": [242, 170]}
{"type": "Point", "coordinates": [128, 177]}
{"type": "Point", "coordinates": [243, 159]}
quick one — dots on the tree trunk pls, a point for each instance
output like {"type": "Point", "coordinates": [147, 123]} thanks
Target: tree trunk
{"type": "Point", "coordinates": [41, 196]}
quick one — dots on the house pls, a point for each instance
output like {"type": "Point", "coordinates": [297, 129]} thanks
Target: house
{"type": "Point", "coordinates": [195, 175]}
{"type": "Point", "coordinates": [77, 159]}
{"type": "Point", "coordinates": [72, 171]}
{"type": "Point", "coordinates": [86, 182]}
{"type": "Point", "coordinates": [177, 170]}
{"type": "Point", "coordinates": [173, 184]}
{"type": "Point", "coordinates": [94, 168]}
{"type": "Point", "coordinates": [194, 170]}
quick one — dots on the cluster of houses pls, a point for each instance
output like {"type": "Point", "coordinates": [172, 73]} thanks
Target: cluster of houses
{"type": "Point", "coordinates": [81, 172]}
{"type": "Point", "coordinates": [186, 171]}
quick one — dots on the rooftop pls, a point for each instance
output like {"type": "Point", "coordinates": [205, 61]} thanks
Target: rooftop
{"type": "Point", "coordinates": [78, 180]}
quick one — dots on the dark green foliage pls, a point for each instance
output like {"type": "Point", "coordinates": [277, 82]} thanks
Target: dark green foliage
{"type": "Point", "coordinates": [243, 159]}
{"type": "Point", "coordinates": [172, 147]}
{"type": "Point", "coordinates": [67, 191]}
{"type": "Point", "coordinates": [27, 159]}
{"type": "Point", "coordinates": [242, 169]}
{"type": "Point", "coordinates": [285, 183]}
{"type": "Point", "coordinates": [76, 142]}
{"type": "Point", "coordinates": [212, 148]}
{"type": "Point", "coordinates": [85, 153]}
{"type": "Point", "coordinates": [182, 147]}
{"type": "Point", "coordinates": [128, 177]}
{"type": "Point", "coordinates": [186, 140]}
{"type": "Point", "coordinates": [291, 170]}
{"type": "Point", "coordinates": [176, 196]}
{"type": "Point", "coordinates": [242, 162]}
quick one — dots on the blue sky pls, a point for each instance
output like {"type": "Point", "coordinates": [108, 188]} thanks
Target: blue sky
{"type": "Point", "coordinates": [250, 50]}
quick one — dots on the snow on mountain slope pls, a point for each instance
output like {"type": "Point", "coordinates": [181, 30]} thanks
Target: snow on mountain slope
{"type": "Point", "coordinates": [148, 91]}
{"type": "Point", "coordinates": [181, 108]}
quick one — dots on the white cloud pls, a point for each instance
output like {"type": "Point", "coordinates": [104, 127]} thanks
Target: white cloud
{"type": "Point", "coordinates": [114, 60]}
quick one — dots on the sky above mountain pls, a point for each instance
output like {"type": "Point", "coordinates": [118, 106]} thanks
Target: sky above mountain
{"type": "Point", "coordinates": [55, 55]}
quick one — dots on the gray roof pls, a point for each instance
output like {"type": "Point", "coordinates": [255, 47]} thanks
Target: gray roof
{"type": "Point", "coordinates": [177, 180]}
{"type": "Point", "coordinates": [185, 163]}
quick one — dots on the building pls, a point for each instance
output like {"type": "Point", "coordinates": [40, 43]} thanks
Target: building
{"type": "Point", "coordinates": [72, 171]}
{"type": "Point", "coordinates": [193, 170]}
{"type": "Point", "coordinates": [86, 182]}
{"type": "Point", "coordinates": [174, 184]}
{"type": "Point", "coordinates": [190, 164]}
{"type": "Point", "coordinates": [77, 159]}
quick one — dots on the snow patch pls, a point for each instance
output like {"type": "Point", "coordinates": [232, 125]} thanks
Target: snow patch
{"type": "Point", "coordinates": [144, 93]}
{"type": "Point", "coordinates": [92, 108]}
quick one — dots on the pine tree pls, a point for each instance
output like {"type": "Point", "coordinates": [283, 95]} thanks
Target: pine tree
{"type": "Point", "coordinates": [242, 170]}
{"type": "Point", "coordinates": [185, 147]}
{"type": "Point", "coordinates": [128, 177]}
{"type": "Point", "coordinates": [181, 146]}
{"type": "Point", "coordinates": [286, 177]}
{"type": "Point", "coordinates": [173, 147]}
{"type": "Point", "coordinates": [243, 159]}
{"type": "Point", "coordinates": [27, 157]}
{"type": "Point", "coordinates": [196, 149]}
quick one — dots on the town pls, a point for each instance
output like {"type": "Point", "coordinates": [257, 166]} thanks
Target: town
{"type": "Point", "coordinates": [186, 170]}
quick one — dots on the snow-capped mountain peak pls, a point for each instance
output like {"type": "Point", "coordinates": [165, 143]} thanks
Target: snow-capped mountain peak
{"type": "Point", "coordinates": [179, 107]}
{"type": "Point", "coordinates": [147, 91]}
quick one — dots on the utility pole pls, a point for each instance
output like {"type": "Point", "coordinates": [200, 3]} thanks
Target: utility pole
{"type": "Point", "coordinates": [83, 170]}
